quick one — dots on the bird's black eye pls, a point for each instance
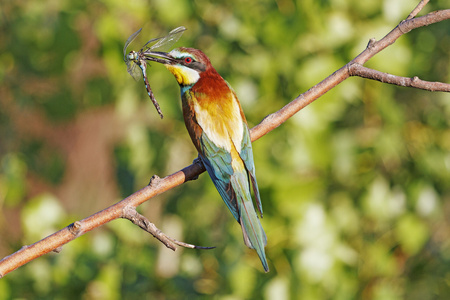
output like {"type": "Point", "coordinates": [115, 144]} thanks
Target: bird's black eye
{"type": "Point", "coordinates": [188, 60]}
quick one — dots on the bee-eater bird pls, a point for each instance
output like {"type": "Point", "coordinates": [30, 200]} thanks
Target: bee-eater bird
{"type": "Point", "coordinates": [218, 128]}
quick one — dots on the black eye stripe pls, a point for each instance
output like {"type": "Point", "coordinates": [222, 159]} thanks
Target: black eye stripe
{"type": "Point", "coordinates": [192, 63]}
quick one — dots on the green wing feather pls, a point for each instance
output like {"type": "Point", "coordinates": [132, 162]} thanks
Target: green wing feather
{"type": "Point", "coordinates": [247, 156]}
{"type": "Point", "coordinates": [217, 162]}
{"type": "Point", "coordinates": [234, 187]}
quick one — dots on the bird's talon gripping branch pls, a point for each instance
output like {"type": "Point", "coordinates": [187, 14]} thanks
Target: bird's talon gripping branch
{"type": "Point", "coordinates": [196, 161]}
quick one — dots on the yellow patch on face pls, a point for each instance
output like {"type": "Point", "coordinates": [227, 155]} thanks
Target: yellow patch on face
{"type": "Point", "coordinates": [183, 75]}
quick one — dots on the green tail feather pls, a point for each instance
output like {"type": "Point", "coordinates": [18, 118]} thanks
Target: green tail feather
{"type": "Point", "coordinates": [254, 235]}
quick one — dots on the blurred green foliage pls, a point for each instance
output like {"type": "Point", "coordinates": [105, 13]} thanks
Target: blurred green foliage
{"type": "Point", "coordinates": [355, 187]}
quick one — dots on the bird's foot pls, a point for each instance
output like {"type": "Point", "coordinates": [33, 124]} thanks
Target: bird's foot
{"type": "Point", "coordinates": [197, 161]}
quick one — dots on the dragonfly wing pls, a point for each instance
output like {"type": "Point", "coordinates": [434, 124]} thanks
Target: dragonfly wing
{"type": "Point", "coordinates": [133, 70]}
{"type": "Point", "coordinates": [166, 42]}
{"type": "Point", "coordinates": [152, 41]}
{"type": "Point", "coordinates": [130, 39]}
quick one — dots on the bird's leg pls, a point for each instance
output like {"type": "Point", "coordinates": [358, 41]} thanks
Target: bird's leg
{"type": "Point", "coordinates": [197, 161]}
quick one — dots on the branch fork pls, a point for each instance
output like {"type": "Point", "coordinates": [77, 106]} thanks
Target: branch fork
{"type": "Point", "coordinates": [130, 213]}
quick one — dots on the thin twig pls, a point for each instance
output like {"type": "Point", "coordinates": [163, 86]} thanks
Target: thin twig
{"type": "Point", "coordinates": [361, 71]}
{"type": "Point", "coordinates": [418, 8]}
{"type": "Point", "coordinates": [130, 213]}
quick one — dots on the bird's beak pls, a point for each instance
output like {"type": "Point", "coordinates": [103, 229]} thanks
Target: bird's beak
{"type": "Point", "coordinates": [160, 57]}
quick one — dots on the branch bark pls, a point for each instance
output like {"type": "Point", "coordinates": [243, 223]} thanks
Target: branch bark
{"type": "Point", "coordinates": [415, 82]}
{"type": "Point", "coordinates": [127, 207]}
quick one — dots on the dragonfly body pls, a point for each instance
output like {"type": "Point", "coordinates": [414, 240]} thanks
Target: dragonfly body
{"type": "Point", "coordinates": [139, 59]}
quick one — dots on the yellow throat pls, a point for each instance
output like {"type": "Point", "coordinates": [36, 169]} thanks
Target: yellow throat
{"type": "Point", "coordinates": [184, 75]}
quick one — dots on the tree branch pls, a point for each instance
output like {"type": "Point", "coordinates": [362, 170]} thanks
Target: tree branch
{"type": "Point", "coordinates": [418, 8]}
{"type": "Point", "coordinates": [130, 213]}
{"type": "Point", "coordinates": [274, 120]}
{"type": "Point", "coordinates": [364, 72]}
{"type": "Point", "coordinates": [127, 207]}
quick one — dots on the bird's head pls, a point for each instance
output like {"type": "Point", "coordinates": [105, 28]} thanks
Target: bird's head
{"type": "Point", "coordinates": [186, 64]}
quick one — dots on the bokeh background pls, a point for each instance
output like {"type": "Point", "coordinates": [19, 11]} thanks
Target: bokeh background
{"type": "Point", "coordinates": [355, 187]}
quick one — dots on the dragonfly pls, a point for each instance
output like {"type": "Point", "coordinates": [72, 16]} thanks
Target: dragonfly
{"type": "Point", "coordinates": [137, 60]}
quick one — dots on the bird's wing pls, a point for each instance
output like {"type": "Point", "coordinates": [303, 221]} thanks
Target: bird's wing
{"type": "Point", "coordinates": [217, 162]}
{"type": "Point", "coordinates": [246, 154]}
